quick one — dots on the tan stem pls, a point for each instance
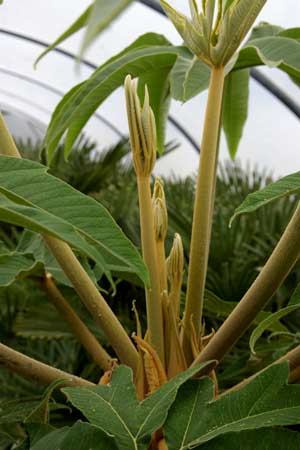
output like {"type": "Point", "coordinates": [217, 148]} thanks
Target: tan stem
{"type": "Point", "coordinates": [175, 298]}
{"type": "Point", "coordinates": [293, 357]}
{"type": "Point", "coordinates": [161, 263]}
{"type": "Point", "coordinates": [35, 370]}
{"type": "Point", "coordinates": [80, 330]}
{"type": "Point", "coordinates": [201, 229]}
{"type": "Point", "coordinates": [295, 375]}
{"type": "Point", "coordinates": [278, 266]}
{"type": "Point", "coordinates": [153, 301]}
{"type": "Point", "coordinates": [94, 302]}
{"type": "Point", "coordinates": [82, 283]}
{"type": "Point", "coordinates": [176, 361]}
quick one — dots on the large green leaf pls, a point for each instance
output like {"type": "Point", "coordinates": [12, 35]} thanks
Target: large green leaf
{"type": "Point", "coordinates": [293, 33]}
{"type": "Point", "coordinates": [189, 77]}
{"type": "Point", "coordinates": [272, 51]}
{"type": "Point", "coordinates": [76, 108]}
{"type": "Point", "coordinates": [36, 200]}
{"type": "Point", "coordinates": [102, 13]}
{"type": "Point", "coordinates": [267, 401]}
{"type": "Point", "coordinates": [72, 29]}
{"type": "Point", "coordinates": [266, 439]}
{"type": "Point", "coordinates": [14, 266]}
{"type": "Point", "coordinates": [33, 244]}
{"type": "Point", "coordinates": [81, 436]}
{"type": "Point", "coordinates": [115, 409]}
{"type": "Point", "coordinates": [37, 431]}
{"type": "Point", "coordinates": [235, 108]}
{"type": "Point", "coordinates": [264, 29]}
{"type": "Point", "coordinates": [284, 187]}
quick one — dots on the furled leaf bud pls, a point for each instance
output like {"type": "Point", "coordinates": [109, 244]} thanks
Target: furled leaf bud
{"type": "Point", "coordinates": [214, 38]}
{"type": "Point", "coordinates": [175, 261]}
{"type": "Point", "coordinates": [142, 129]}
{"type": "Point", "coordinates": [160, 212]}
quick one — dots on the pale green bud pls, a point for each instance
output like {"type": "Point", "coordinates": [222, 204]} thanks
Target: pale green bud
{"type": "Point", "coordinates": [142, 129]}
{"type": "Point", "coordinates": [215, 41]}
{"type": "Point", "coordinates": [175, 261]}
{"type": "Point", "coordinates": [160, 212]}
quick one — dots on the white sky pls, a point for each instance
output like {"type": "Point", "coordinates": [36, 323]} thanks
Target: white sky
{"type": "Point", "coordinates": [272, 134]}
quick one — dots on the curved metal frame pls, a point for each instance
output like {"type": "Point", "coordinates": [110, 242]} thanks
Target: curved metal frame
{"type": "Point", "coordinates": [260, 78]}
{"type": "Point", "coordinates": [70, 55]}
{"type": "Point", "coordinates": [56, 91]}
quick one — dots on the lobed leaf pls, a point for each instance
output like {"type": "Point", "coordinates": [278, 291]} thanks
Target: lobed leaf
{"type": "Point", "coordinates": [267, 401]}
{"type": "Point", "coordinates": [114, 408]}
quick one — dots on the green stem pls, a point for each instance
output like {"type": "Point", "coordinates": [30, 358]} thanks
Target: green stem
{"type": "Point", "coordinates": [80, 330]}
{"type": "Point", "coordinates": [35, 370]}
{"type": "Point", "coordinates": [153, 300]}
{"type": "Point", "coordinates": [201, 229]}
{"type": "Point", "coordinates": [278, 266]}
{"type": "Point", "coordinates": [82, 283]}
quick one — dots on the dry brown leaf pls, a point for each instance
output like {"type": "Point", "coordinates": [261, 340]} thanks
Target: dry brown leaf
{"type": "Point", "coordinates": [154, 370]}
{"type": "Point", "coordinates": [106, 377]}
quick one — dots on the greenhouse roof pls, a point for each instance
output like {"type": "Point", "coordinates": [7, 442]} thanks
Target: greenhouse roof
{"type": "Point", "coordinates": [28, 96]}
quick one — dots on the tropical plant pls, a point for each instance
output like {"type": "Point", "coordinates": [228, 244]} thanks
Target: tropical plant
{"type": "Point", "coordinates": [153, 402]}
